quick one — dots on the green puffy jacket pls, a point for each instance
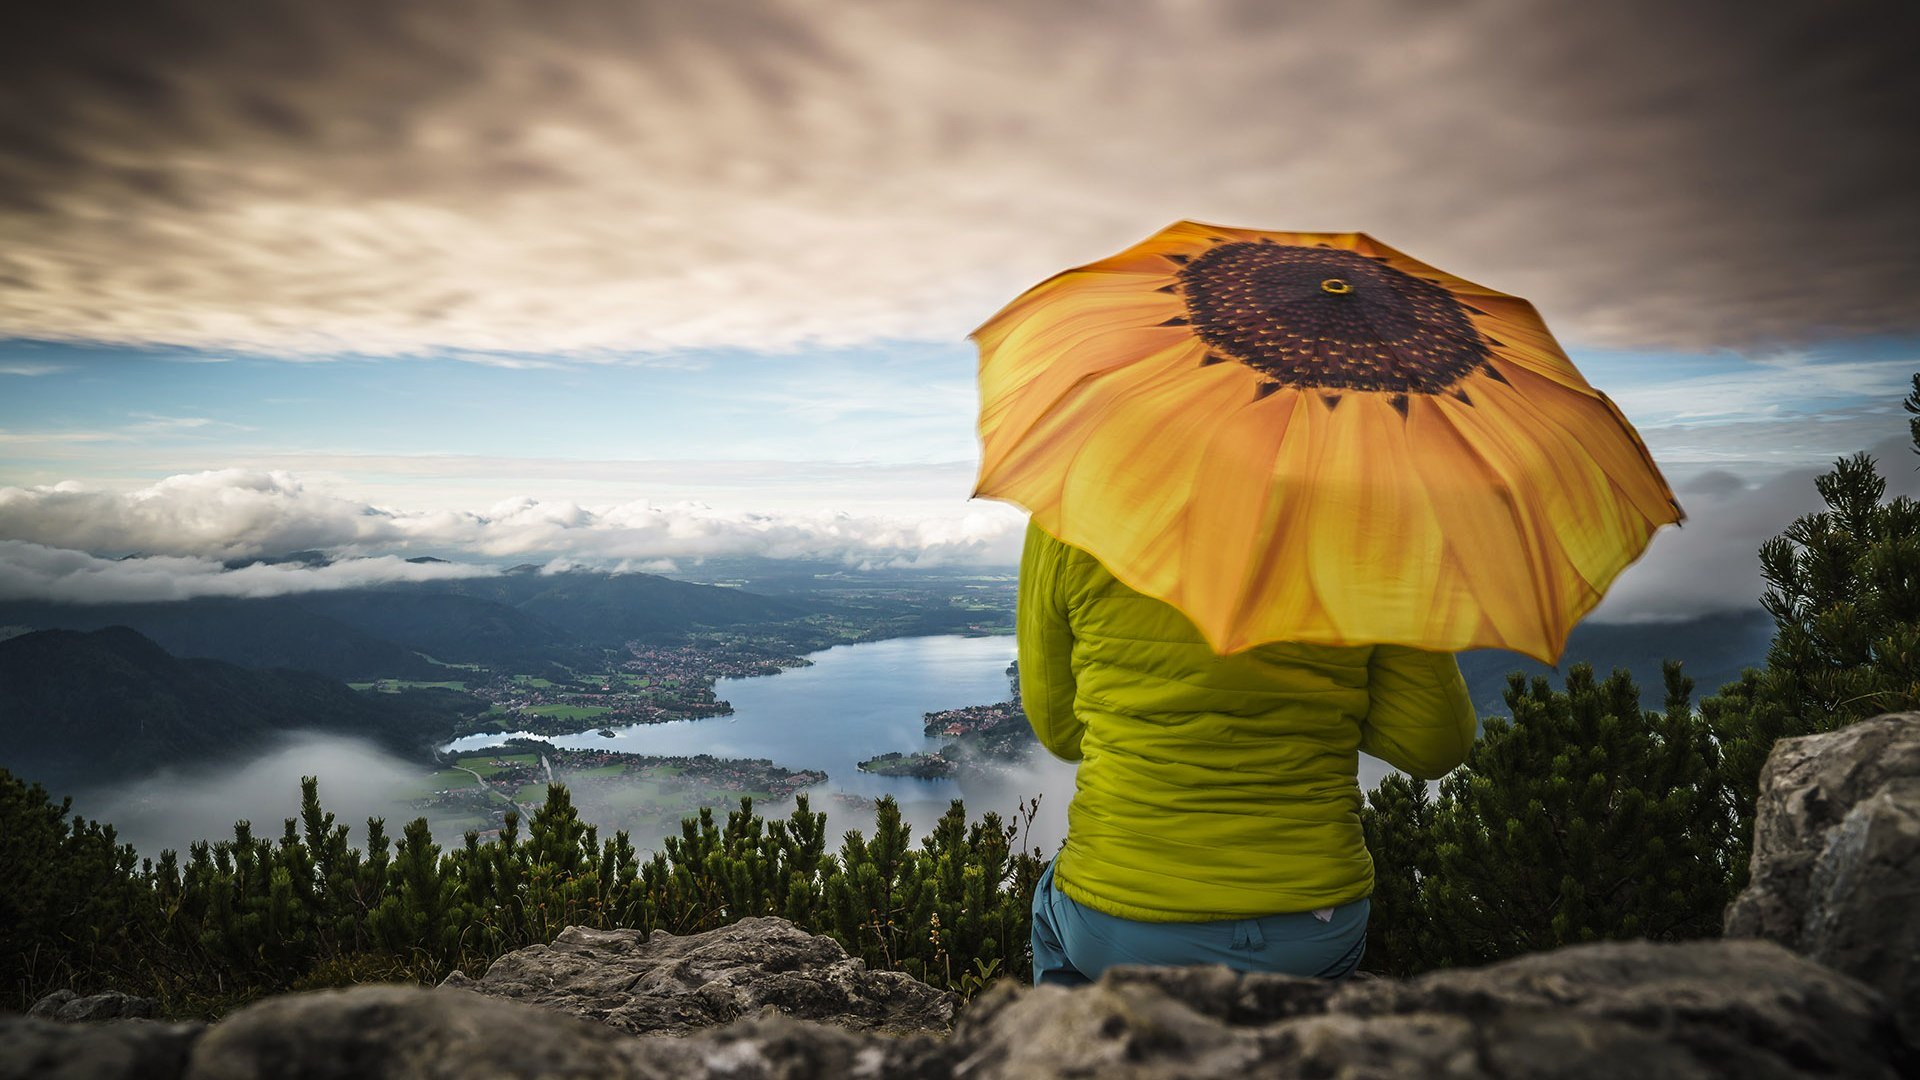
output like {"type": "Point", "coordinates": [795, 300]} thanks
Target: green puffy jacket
{"type": "Point", "coordinates": [1215, 787]}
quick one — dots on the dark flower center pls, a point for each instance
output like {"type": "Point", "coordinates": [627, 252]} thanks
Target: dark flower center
{"type": "Point", "coordinates": [1326, 317]}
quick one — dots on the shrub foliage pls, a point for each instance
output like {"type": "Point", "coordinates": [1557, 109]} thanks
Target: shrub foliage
{"type": "Point", "coordinates": [1583, 817]}
{"type": "Point", "coordinates": [245, 917]}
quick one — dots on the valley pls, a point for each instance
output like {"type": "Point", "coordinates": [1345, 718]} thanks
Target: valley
{"type": "Point", "coordinates": [650, 698]}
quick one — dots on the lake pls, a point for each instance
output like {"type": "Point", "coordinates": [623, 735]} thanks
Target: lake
{"type": "Point", "coordinates": [853, 702]}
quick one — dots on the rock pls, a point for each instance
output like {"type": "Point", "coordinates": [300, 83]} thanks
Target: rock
{"type": "Point", "coordinates": [1836, 855]}
{"type": "Point", "coordinates": [1733, 1008]}
{"type": "Point", "coordinates": [1220, 993]}
{"type": "Point", "coordinates": [665, 984]}
{"type": "Point", "coordinates": [396, 1032]}
{"type": "Point", "coordinates": [410, 1033]}
{"type": "Point", "coordinates": [1865, 897]}
{"type": "Point", "coordinates": [50, 1004]}
{"type": "Point", "coordinates": [1746, 1009]}
{"type": "Point", "coordinates": [773, 1046]}
{"type": "Point", "coordinates": [67, 1006]}
{"type": "Point", "coordinates": [1113, 1028]}
{"type": "Point", "coordinates": [1709, 1009]}
{"type": "Point", "coordinates": [40, 1049]}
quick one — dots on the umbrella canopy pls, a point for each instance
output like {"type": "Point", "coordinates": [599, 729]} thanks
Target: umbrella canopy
{"type": "Point", "coordinates": [1313, 437]}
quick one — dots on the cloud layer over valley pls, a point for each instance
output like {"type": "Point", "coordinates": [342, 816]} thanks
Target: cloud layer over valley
{"type": "Point", "coordinates": [176, 539]}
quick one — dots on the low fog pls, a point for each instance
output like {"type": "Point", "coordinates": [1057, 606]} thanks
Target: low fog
{"type": "Point", "coordinates": [174, 807]}
{"type": "Point", "coordinates": [1711, 563]}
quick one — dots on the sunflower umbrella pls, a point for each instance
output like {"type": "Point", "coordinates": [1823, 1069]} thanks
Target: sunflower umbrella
{"type": "Point", "coordinates": [1313, 437]}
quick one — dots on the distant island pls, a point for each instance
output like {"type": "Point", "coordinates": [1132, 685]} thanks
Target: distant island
{"type": "Point", "coordinates": [929, 765]}
{"type": "Point", "coordinates": [978, 736]}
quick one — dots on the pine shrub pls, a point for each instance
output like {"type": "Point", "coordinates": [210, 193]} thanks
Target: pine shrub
{"type": "Point", "coordinates": [245, 917]}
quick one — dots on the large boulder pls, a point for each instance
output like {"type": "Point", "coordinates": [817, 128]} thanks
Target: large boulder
{"type": "Point", "coordinates": [406, 1033]}
{"type": "Point", "coordinates": [1836, 855]}
{"type": "Point", "coordinates": [1707, 1009]}
{"type": "Point", "coordinates": [414, 1033]}
{"type": "Point", "coordinates": [666, 984]}
{"type": "Point", "coordinates": [32, 1048]}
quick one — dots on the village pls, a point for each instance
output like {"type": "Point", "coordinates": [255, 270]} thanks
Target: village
{"type": "Point", "coordinates": [975, 734]}
{"type": "Point", "coordinates": [973, 719]}
{"type": "Point", "coordinates": [654, 685]}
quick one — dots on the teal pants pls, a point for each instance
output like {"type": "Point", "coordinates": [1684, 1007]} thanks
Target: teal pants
{"type": "Point", "coordinates": [1073, 944]}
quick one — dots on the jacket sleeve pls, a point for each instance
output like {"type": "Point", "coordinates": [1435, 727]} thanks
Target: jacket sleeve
{"type": "Point", "coordinates": [1046, 647]}
{"type": "Point", "coordinates": [1420, 719]}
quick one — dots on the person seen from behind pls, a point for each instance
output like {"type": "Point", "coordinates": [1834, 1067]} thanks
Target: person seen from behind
{"type": "Point", "coordinates": [1216, 814]}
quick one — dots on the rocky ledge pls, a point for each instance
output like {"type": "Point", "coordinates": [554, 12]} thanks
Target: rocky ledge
{"type": "Point", "coordinates": [1748, 1009]}
{"type": "Point", "coordinates": [1836, 861]}
{"type": "Point", "coordinates": [1836, 855]}
{"type": "Point", "coordinates": [667, 985]}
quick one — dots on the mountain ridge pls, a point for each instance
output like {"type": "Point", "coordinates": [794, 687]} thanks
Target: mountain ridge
{"type": "Point", "coordinates": [109, 704]}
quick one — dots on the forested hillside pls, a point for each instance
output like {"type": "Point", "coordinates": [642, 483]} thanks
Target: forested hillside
{"type": "Point", "coordinates": [269, 632]}
{"type": "Point", "coordinates": [87, 707]}
{"type": "Point", "coordinates": [518, 620]}
{"type": "Point", "coordinates": [1714, 648]}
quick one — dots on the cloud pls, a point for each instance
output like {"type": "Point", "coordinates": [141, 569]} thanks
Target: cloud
{"type": "Point", "coordinates": [599, 178]}
{"type": "Point", "coordinates": [34, 572]}
{"type": "Point", "coordinates": [175, 807]}
{"type": "Point", "coordinates": [1783, 385]}
{"type": "Point", "coordinates": [40, 439]}
{"type": "Point", "coordinates": [1712, 563]}
{"type": "Point", "coordinates": [1761, 448]}
{"type": "Point", "coordinates": [223, 514]}
{"type": "Point", "coordinates": [184, 529]}
{"type": "Point", "coordinates": [30, 370]}
{"type": "Point", "coordinates": [145, 427]}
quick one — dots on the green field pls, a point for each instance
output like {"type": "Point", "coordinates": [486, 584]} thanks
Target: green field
{"type": "Point", "coordinates": [481, 764]}
{"type": "Point", "coordinates": [570, 712]}
{"type": "Point", "coordinates": [536, 683]}
{"type": "Point", "coordinates": [394, 686]}
{"type": "Point", "coordinates": [444, 780]}
{"type": "Point", "coordinates": [448, 779]}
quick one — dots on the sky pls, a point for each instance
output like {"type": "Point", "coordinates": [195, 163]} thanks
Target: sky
{"type": "Point", "coordinates": [629, 284]}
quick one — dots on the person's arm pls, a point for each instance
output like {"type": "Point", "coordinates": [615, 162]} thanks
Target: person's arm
{"type": "Point", "coordinates": [1421, 719]}
{"type": "Point", "coordinates": [1046, 647]}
